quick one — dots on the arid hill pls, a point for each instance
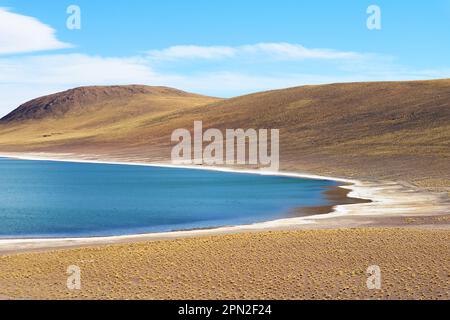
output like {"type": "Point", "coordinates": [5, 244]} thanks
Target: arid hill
{"type": "Point", "coordinates": [80, 100]}
{"type": "Point", "coordinates": [93, 118]}
{"type": "Point", "coordinates": [386, 130]}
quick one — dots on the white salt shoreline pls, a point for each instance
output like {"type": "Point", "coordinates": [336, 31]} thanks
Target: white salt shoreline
{"type": "Point", "coordinates": [388, 199]}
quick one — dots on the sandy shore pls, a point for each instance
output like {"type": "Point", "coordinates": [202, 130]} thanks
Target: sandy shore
{"type": "Point", "coordinates": [311, 264]}
{"type": "Point", "coordinates": [392, 204]}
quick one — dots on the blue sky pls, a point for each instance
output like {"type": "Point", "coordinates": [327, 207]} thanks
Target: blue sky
{"type": "Point", "coordinates": [221, 48]}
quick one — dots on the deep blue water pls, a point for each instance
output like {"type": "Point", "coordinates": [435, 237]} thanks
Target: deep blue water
{"type": "Point", "coordinates": [60, 199]}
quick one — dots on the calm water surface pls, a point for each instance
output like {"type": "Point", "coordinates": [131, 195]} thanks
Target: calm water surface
{"type": "Point", "coordinates": [61, 199]}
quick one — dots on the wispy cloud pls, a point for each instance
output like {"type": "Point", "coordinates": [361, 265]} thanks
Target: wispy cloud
{"type": "Point", "coordinates": [193, 52]}
{"type": "Point", "coordinates": [280, 51]}
{"type": "Point", "coordinates": [20, 33]}
{"type": "Point", "coordinates": [290, 51]}
{"type": "Point", "coordinates": [70, 69]}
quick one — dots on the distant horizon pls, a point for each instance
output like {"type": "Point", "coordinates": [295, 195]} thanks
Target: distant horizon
{"type": "Point", "coordinates": [199, 93]}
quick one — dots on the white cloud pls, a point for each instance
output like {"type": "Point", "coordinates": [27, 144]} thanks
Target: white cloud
{"type": "Point", "coordinates": [19, 33]}
{"type": "Point", "coordinates": [290, 51]}
{"type": "Point", "coordinates": [193, 52]}
{"type": "Point", "coordinates": [73, 69]}
{"type": "Point", "coordinates": [281, 51]}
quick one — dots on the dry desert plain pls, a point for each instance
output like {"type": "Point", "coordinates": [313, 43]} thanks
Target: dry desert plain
{"type": "Point", "coordinates": [391, 139]}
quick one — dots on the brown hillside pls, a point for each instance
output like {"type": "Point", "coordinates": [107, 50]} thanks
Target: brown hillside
{"type": "Point", "coordinates": [79, 100]}
{"type": "Point", "coordinates": [389, 130]}
{"type": "Point", "coordinates": [92, 117]}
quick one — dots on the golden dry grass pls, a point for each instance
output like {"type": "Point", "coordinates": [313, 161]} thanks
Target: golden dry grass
{"type": "Point", "coordinates": [320, 264]}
